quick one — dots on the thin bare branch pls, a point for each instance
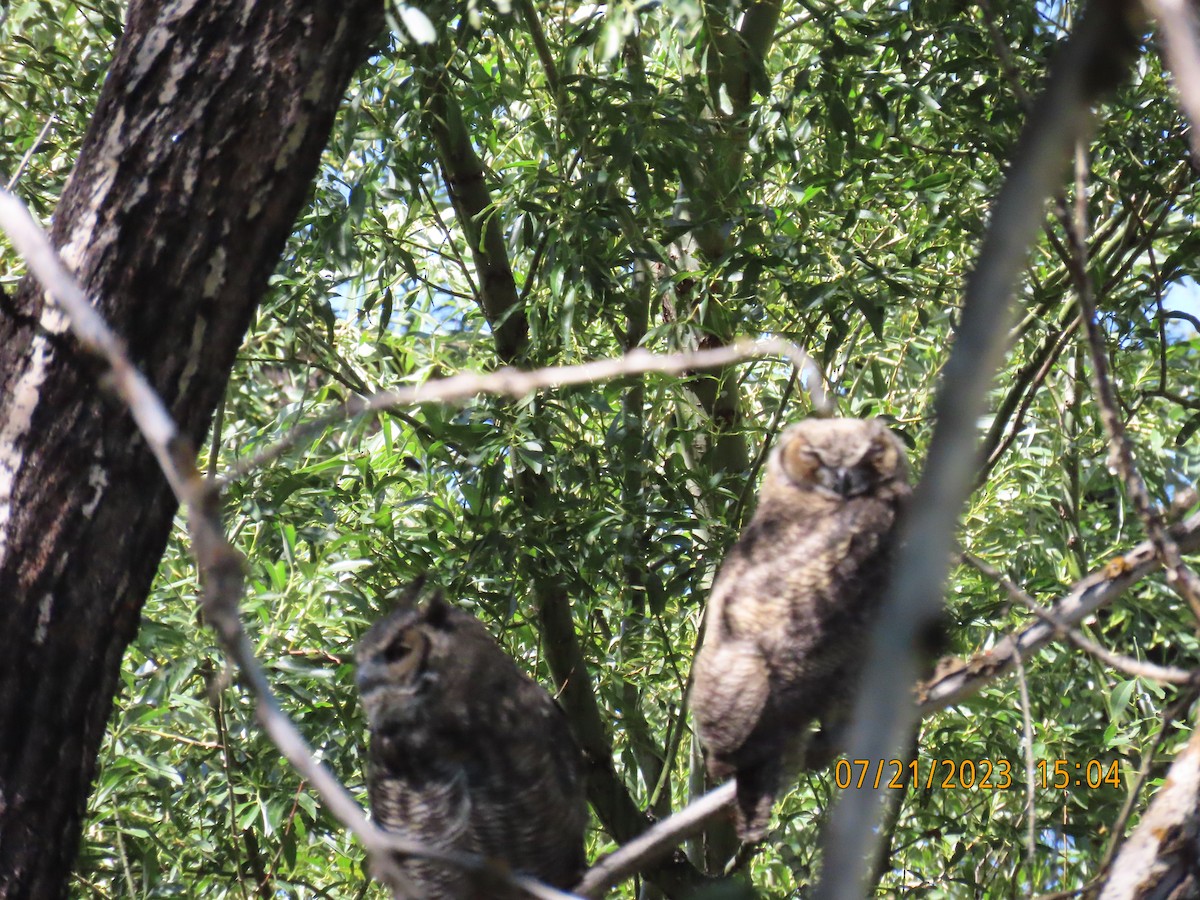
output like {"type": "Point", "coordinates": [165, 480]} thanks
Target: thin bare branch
{"type": "Point", "coordinates": [1030, 782]}
{"type": "Point", "coordinates": [33, 148]}
{"type": "Point", "coordinates": [957, 681]}
{"type": "Point", "coordinates": [1027, 384]}
{"type": "Point", "coordinates": [1183, 317]}
{"type": "Point", "coordinates": [1012, 72]}
{"type": "Point", "coordinates": [513, 382]}
{"type": "Point", "coordinates": [655, 842]}
{"type": "Point", "coordinates": [1176, 398]}
{"type": "Point", "coordinates": [1135, 668]}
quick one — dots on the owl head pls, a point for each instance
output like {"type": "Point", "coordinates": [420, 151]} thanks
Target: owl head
{"type": "Point", "coordinates": [839, 459]}
{"type": "Point", "coordinates": [399, 659]}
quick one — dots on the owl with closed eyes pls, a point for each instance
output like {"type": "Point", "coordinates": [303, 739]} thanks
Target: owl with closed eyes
{"type": "Point", "coordinates": [792, 606]}
{"type": "Point", "coordinates": [467, 753]}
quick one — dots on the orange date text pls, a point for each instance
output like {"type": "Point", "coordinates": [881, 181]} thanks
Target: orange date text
{"type": "Point", "coordinates": [950, 774]}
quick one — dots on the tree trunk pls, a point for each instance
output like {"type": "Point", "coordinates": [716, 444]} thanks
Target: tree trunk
{"type": "Point", "coordinates": [204, 143]}
{"type": "Point", "coordinates": [1161, 859]}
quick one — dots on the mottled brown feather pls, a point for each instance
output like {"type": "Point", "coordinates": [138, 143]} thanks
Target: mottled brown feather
{"type": "Point", "coordinates": [467, 752]}
{"type": "Point", "coordinates": [792, 605]}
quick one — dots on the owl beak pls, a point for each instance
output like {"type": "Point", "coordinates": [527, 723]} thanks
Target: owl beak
{"type": "Point", "coordinates": [848, 481]}
{"type": "Point", "coordinates": [367, 678]}
{"type": "Point", "coordinates": [844, 483]}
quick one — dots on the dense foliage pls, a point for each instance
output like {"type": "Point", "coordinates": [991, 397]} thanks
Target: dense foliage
{"type": "Point", "coordinates": [653, 186]}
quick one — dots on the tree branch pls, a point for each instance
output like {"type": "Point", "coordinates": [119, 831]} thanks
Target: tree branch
{"type": "Point", "coordinates": [512, 382]}
{"type": "Point", "coordinates": [1094, 57]}
{"type": "Point", "coordinates": [655, 843]}
{"type": "Point", "coordinates": [1135, 668]}
{"type": "Point", "coordinates": [958, 680]}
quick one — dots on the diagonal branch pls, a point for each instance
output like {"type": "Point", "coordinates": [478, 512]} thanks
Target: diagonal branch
{"type": "Point", "coordinates": [1094, 57]}
{"type": "Point", "coordinates": [958, 682]}
{"type": "Point", "coordinates": [655, 843]}
{"type": "Point", "coordinates": [1135, 668]}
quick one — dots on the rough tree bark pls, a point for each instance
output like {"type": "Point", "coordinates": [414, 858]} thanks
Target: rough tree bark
{"type": "Point", "coordinates": [204, 143]}
{"type": "Point", "coordinates": [1161, 859]}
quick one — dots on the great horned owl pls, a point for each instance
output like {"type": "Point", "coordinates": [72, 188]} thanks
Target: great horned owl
{"type": "Point", "coordinates": [467, 752]}
{"type": "Point", "coordinates": [793, 602]}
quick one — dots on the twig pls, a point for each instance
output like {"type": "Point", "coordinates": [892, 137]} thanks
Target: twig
{"type": "Point", "coordinates": [1027, 751]}
{"type": "Point", "coordinates": [1053, 347]}
{"type": "Point", "coordinates": [37, 142]}
{"type": "Point", "coordinates": [655, 842]}
{"type": "Point", "coordinates": [90, 328]}
{"type": "Point", "coordinates": [735, 520]}
{"type": "Point", "coordinates": [1160, 320]}
{"type": "Point", "coordinates": [1176, 398]}
{"type": "Point", "coordinates": [517, 382]}
{"type": "Point", "coordinates": [1091, 62]}
{"type": "Point", "coordinates": [1183, 317]}
{"type": "Point", "coordinates": [1135, 668]}
{"type": "Point", "coordinates": [1181, 579]}
{"type": "Point", "coordinates": [445, 229]}
{"type": "Point", "coordinates": [540, 44]}
{"type": "Point", "coordinates": [221, 566]}
{"type": "Point", "coordinates": [958, 681]}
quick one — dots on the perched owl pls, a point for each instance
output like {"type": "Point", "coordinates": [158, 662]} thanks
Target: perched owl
{"type": "Point", "coordinates": [792, 605]}
{"type": "Point", "coordinates": [467, 753]}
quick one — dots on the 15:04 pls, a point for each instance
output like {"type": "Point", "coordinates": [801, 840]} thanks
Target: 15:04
{"type": "Point", "coordinates": [1061, 774]}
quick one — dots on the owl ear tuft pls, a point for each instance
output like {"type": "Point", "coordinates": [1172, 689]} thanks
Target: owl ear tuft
{"type": "Point", "coordinates": [437, 610]}
{"type": "Point", "coordinates": [407, 596]}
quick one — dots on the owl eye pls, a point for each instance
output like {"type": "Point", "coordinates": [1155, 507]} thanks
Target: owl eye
{"type": "Point", "coordinates": [396, 650]}
{"type": "Point", "coordinates": [800, 463]}
{"type": "Point", "coordinates": [883, 458]}
{"type": "Point", "coordinates": [404, 650]}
